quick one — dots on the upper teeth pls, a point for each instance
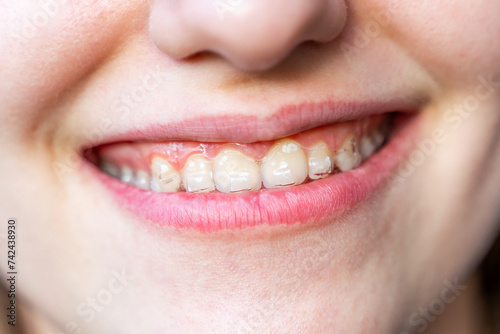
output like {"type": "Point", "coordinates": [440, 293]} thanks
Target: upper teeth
{"type": "Point", "coordinates": [142, 180]}
{"type": "Point", "coordinates": [320, 162]}
{"type": "Point", "coordinates": [348, 156]}
{"type": "Point", "coordinates": [198, 175]}
{"type": "Point", "coordinates": [285, 165]}
{"type": "Point", "coordinates": [233, 171]}
{"type": "Point", "coordinates": [164, 178]}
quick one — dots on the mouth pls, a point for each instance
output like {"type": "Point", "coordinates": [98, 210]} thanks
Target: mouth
{"type": "Point", "coordinates": [215, 184]}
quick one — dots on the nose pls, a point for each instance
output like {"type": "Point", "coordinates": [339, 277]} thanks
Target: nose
{"type": "Point", "coordinates": [251, 34]}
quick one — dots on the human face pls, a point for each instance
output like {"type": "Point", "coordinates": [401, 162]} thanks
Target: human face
{"type": "Point", "coordinates": [358, 251]}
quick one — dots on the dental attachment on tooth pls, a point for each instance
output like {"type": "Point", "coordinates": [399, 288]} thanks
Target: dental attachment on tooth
{"type": "Point", "coordinates": [348, 156]}
{"type": "Point", "coordinates": [164, 177]}
{"type": "Point", "coordinates": [285, 166]}
{"type": "Point", "coordinates": [320, 162]}
{"type": "Point", "coordinates": [197, 176]}
{"type": "Point", "coordinates": [235, 172]}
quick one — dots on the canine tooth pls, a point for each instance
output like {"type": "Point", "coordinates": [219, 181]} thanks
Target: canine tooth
{"type": "Point", "coordinates": [285, 165]}
{"type": "Point", "coordinates": [110, 169]}
{"type": "Point", "coordinates": [127, 175]}
{"type": "Point", "coordinates": [367, 147]}
{"type": "Point", "coordinates": [348, 156]}
{"type": "Point", "coordinates": [164, 177]}
{"type": "Point", "coordinates": [233, 171]}
{"type": "Point", "coordinates": [197, 175]}
{"type": "Point", "coordinates": [142, 180]}
{"type": "Point", "coordinates": [320, 162]}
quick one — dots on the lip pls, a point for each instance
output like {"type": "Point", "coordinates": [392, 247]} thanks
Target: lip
{"type": "Point", "coordinates": [286, 121]}
{"type": "Point", "coordinates": [304, 204]}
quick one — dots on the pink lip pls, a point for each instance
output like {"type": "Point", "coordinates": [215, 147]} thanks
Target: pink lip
{"type": "Point", "coordinates": [288, 120]}
{"type": "Point", "coordinates": [304, 204]}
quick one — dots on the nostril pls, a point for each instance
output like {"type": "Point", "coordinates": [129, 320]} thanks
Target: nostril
{"type": "Point", "coordinates": [257, 36]}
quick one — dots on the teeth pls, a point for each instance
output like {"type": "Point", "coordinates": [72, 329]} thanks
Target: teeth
{"type": "Point", "coordinates": [366, 147]}
{"type": "Point", "coordinates": [127, 175]}
{"type": "Point", "coordinates": [348, 156]}
{"type": "Point", "coordinates": [377, 138]}
{"type": "Point", "coordinates": [285, 166]}
{"type": "Point", "coordinates": [110, 169]}
{"type": "Point", "coordinates": [370, 143]}
{"type": "Point", "coordinates": [320, 162]}
{"type": "Point", "coordinates": [164, 177]}
{"type": "Point", "coordinates": [142, 180]}
{"type": "Point", "coordinates": [235, 172]}
{"type": "Point", "coordinates": [197, 175]}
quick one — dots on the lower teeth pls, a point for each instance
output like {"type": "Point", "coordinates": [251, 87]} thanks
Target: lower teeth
{"type": "Point", "coordinates": [286, 164]}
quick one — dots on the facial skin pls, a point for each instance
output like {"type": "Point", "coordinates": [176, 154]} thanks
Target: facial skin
{"type": "Point", "coordinates": [366, 272]}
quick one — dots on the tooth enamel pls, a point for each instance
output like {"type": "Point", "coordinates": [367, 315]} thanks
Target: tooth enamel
{"type": "Point", "coordinates": [110, 168]}
{"type": "Point", "coordinates": [142, 180]}
{"type": "Point", "coordinates": [320, 162]}
{"type": "Point", "coordinates": [366, 147]}
{"type": "Point", "coordinates": [284, 166]}
{"type": "Point", "coordinates": [197, 175]}
{"type": "Point", "coordinates": [233, 171]}
{"type": "Point", "coordinates": [377, 138]}
{"type": "Point", "coordinates": [127, 175]}
{"type": "Point", "coordinates": [348, 156]}
{"type": "Point", "coordinates": [164, 177]}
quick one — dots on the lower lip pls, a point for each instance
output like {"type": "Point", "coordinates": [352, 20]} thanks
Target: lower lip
{"type": "Point", "coordinates": [305, 204]}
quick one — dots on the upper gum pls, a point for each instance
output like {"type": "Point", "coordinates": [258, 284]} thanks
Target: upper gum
{"type": "Point", "coordinates": [138, 156]}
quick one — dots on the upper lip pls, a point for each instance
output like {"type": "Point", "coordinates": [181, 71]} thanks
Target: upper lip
{"type": "Point", "coordinates": [288, 120]}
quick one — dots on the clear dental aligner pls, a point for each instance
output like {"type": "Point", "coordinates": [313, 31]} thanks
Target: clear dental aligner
{"type": "Point", "coordinates": [286, 164]}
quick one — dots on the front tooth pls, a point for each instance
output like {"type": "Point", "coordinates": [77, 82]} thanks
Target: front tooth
{"type": "Point", "coordinates": [142, 180]}
{"type": "Point", "coordinates": [320, 162]}
{"type": "Point", "coordinates": [164, 177]}
{"type": "Point", "coordinates": [197, 175]}
{"type": "Point", "coordinates": [233, 171]}
{"type": "Point", "coordinates": [127, 175]}
{"type": "Point", "coordinates": [285, 166]}
{"type": "Point", "coordinates": [348, 156]}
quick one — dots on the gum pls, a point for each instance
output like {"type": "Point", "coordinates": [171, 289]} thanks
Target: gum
{"type": "Point", "coordinates": [138, 155]}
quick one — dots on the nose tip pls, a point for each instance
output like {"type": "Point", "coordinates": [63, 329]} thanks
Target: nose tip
{"type": "Point", "coordinates": [251, 34]}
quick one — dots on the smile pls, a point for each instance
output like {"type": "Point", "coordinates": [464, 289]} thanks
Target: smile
{"type": "Point", "coordinates": [233, 167]}
{"type": "Point", "coordinates": [306, 176]}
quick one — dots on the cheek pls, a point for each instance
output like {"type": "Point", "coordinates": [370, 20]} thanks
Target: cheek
{"type": "Point", "coordinates": [459, 181]}
{"type": "Point", "coordinates": [456, 40]}
{"type": "Point", "coordinates": [49, 49]}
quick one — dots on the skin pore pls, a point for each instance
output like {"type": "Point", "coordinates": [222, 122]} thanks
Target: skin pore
{"type": "Point", "coordinates": [367, 270]}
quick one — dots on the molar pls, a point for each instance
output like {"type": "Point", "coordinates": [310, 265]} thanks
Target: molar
{"type": "Point", "coordinates": [197, 175]}
{"type": "Point", "coordinates": [377, 138]}
{"type": "Point", "coordinates": [320, 162]}
{"type": "Point", "coordinates": [233, 172]}
{"type": "Point", "coordinates": [371, 142]}
{"type": "Point", "coordinates": [164, 177]}
{"type": "Point", "coordinates": [348, 156]}
{"type": "Point", "coordinates": [142, 180]}
{"type": "Point", "coordinates": [127, 175]}
{"type": "Point", "coordinates": [284, 166]}
{"type": "Point", "coordinates": [367, 147]}
{"type": "Point", "coordinates": [110, 169]}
